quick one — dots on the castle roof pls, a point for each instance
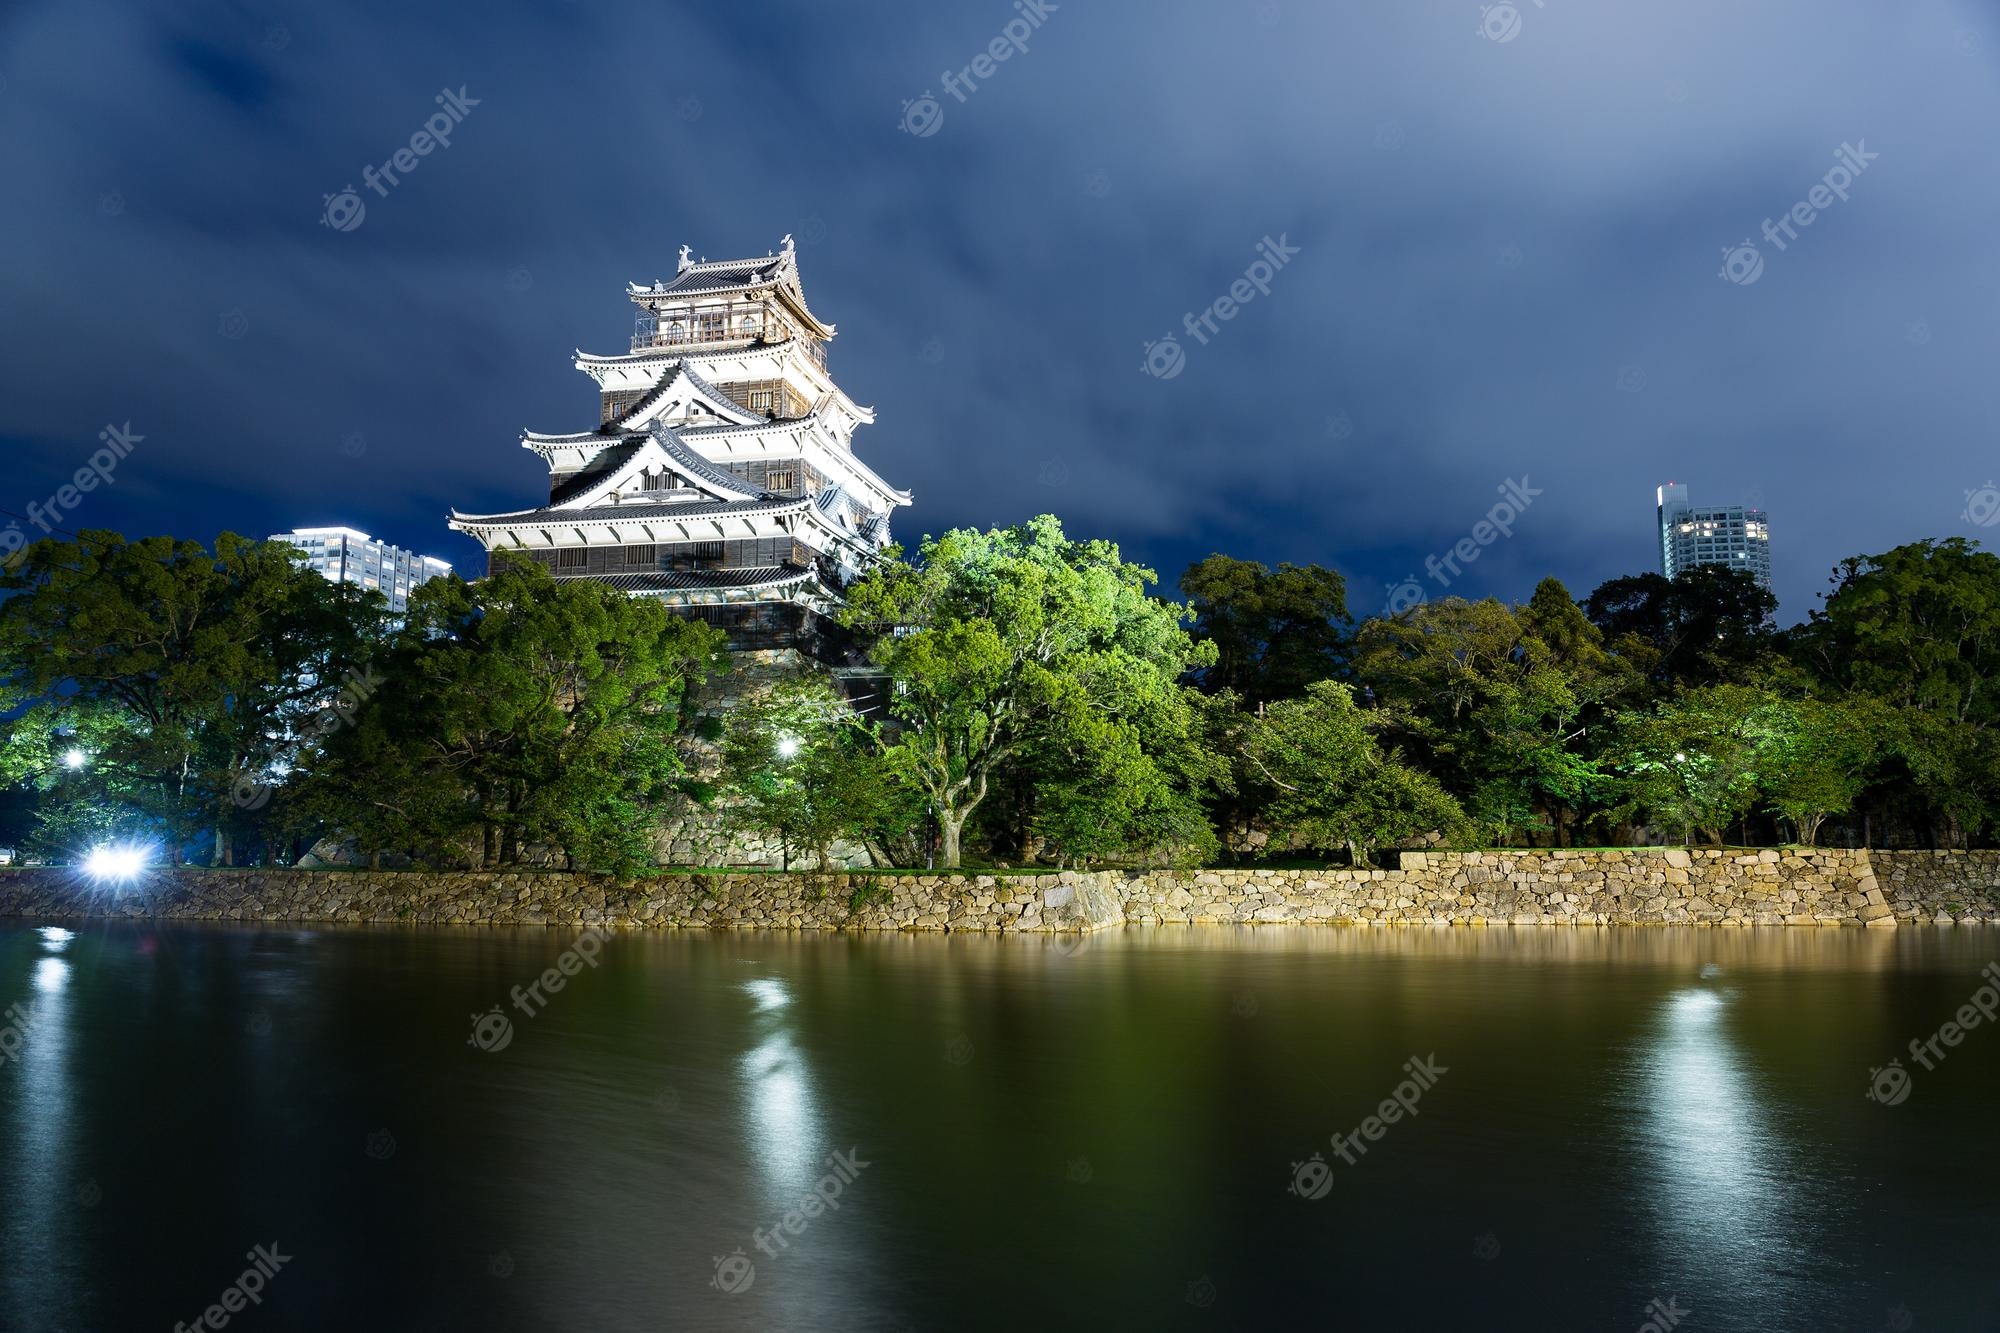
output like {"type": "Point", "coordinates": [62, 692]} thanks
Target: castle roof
{"type": "Point", "coordinates": [707, 278]}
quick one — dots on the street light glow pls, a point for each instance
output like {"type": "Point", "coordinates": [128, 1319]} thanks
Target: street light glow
{"type": "Point", "coordinates": [787, 746]}
{"type": "Point", "coordinates": [73, 758]}
{"type": "Point", "coordinates": [112, 861]}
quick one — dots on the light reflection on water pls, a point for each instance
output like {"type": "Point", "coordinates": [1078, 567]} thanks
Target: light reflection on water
{"type": "Point", "coordinates": [783, 1122]}
{"type": "Point", "coordinates": [1734, 1211]}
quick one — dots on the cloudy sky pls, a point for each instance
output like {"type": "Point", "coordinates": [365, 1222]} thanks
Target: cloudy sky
{"type": "Point", "coordinates": [1509, 261]}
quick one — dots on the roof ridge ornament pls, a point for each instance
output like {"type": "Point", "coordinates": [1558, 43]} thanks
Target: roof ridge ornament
{"type": "Point", "coordinates": [685, 251]}
{"type": "Point", "coordinates": [790, 246]}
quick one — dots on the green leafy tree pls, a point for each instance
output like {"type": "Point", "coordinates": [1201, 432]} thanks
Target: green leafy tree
{"type": "Point", "coordinates": [1275, 631]}
{"type": "Point", "coordinates": [1337, 787]}
{"type": "Point", "coordinates": [1815, 756]}
{"type": "Point", "coordinates": [1692, 762]}
{"type": "Point", "coordinates": [192, 664]}
{"type": "Point", "coordinates": [800, 761]}
{"type": "Point", "coordinates": [523, 710]}
{"type": "Point", "coordinates": [1707, 625]}
{"type": "Point", "coordinates": [1000, 642]}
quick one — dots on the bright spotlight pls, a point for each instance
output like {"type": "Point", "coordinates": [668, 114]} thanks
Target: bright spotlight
{"type": "Point", "coordinates": [73, 758]}
{"type": "Point", "coordinates": [108, 861]}
{"type": "Point", "coordinates": [787, 746]}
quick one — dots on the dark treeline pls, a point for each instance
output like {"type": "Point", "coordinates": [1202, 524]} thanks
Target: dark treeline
{"type": "Point", "coordinates": [1040, 703]}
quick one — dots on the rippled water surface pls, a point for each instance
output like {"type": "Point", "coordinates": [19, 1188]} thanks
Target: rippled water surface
{"type": "Point", "coordinates": [1030, 1136]}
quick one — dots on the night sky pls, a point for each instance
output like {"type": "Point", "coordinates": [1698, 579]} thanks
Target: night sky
{"type": "Point", "coordinates": [1509, 262]}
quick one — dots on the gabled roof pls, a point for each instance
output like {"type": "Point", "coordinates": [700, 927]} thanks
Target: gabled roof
{"type": "Point", "coordinates": [722, 277]}
{"type": "Point", "coordinates": [601, 469]}
{"type": "Point", "coordinates": [698, 470]}
{"type": "Point", "coordinates": [681, 375]}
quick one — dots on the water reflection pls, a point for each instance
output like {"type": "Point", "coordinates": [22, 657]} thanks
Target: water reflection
{"type": "Point", "coordinates": [783, 1117]}
{"type": "Point", "coordinates": [1726, 1189]}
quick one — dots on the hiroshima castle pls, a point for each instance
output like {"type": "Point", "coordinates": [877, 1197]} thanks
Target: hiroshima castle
{"type": "Point", "coordinates": [721, 477]}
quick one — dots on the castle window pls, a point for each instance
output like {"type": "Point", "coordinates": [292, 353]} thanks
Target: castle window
{"type": "Point", "coordinates": [658, 481]}
{"type": "Point", "coordinates": [760, 400]}
{"type": "Point", "coordinates": [573, 557]}
{"type": "Point", "coordinates": [780, 479]}
{"type": "Point", "coordinates": [640, 557]}
{"type": "Point", "coordinates": [676, 332]}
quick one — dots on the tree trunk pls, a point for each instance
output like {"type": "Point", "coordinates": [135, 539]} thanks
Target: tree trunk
{"type": "Point", "coordinates": [949, 828]}
{"type": "Point", "coordinates": [375, 859]}
{"type": "Point", "coordinates": [224, 852]}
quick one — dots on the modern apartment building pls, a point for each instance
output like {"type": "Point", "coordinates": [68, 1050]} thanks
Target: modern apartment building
{"type": "Point", "coordinates": [1734, 535]}
{"type": "Point", "coordinates": [343, 555]}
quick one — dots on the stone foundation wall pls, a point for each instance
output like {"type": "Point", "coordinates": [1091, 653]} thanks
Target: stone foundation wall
{"type": "Point", "coordinates": [1644, 887]}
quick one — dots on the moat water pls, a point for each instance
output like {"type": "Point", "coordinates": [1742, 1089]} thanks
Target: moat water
{"type": "Point", "coordinates": [1611, 1128]}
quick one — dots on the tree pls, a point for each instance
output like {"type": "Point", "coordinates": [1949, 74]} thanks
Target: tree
{"type": "Point", "coordinates": [1004, 640]}
{"type": "Point", "coordinates": [1275, 632]}
{"type": "Point", "coordinates": [1707, 625]}
{"type": "Point", "coordinates": [1918, 626]}
{"type": "Point", "coordinates": [801, 762]}
{"type": "Point", "coordinates": [1814, 757]}
{"type": "Point", "coordinates": [521, 710]}
{"type": "Point", "coordinates": [1337, 787]}
{"type": "Point", "coordinates": [1692, 762]}
{"type": "Point", "coordinates": [193, 664]}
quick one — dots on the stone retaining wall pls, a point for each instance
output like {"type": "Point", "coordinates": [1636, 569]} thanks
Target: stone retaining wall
{"type": "Point", "coordinates": [1644, 887]}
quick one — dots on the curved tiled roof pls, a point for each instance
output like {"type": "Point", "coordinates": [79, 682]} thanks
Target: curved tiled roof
{"type": "Point", "coordinates": [635, 512]}
{"type": "Point", "coordinates": [697, 580]}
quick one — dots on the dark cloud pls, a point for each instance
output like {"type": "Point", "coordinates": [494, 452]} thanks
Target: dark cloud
{"type": "Point", "coordinates": [1509, 262]}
